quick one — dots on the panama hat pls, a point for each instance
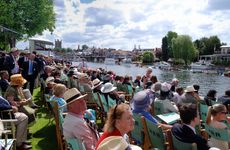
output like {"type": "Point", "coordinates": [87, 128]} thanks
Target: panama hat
{"type": "Point", "coordinates": [96, 83]}
{"type": "Point", "coordinates": [27, 94]}
{"type": "Point", "coordinates": [14, 49]}
{"type": "Point", "coordinates": [108, 87]}
{"type": "Point", "coordinates": [189, 89]}
{"type": "Point", "coordinates": [17, 79]}
{"type": "Point", "coordinates": [72, 95]}
{"type": "Point", "coordinates": [113, 143]}
{"type": "Point", "coordinates": [50, 80]}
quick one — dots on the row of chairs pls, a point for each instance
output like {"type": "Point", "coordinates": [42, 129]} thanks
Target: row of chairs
{"type": "Point", "coordinates": [150, 136]}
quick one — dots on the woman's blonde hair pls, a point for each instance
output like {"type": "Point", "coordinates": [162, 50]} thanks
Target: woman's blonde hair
{"type": "Point", "coordinates": [213, 110]}
{"type": "Point", "coordinates": [59, 89]}
{"type": "Point", "coordinates": [115, 113]}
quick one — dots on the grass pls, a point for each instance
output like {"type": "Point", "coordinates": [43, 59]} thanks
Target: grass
{"type": "Point", "coordinates": [43, 130]}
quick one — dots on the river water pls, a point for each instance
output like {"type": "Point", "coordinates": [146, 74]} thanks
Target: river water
{"type": "Point", "coordinates": [206, 81]}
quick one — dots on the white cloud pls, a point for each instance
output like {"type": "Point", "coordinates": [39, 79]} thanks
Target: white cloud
{"type": "Point", "coordinates": [122, 23]}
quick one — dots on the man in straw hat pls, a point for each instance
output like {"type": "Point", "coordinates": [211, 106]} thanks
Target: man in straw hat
{"type": "Point", "coordinates": [190, 95]}
{"type": "Point", "coordinates": [74, 125]}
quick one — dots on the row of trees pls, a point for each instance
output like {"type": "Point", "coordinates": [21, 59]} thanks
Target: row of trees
{"type": "Point", "coordinates": [26, 17]}
{"type": "Point", "coordinates": [181, 47]}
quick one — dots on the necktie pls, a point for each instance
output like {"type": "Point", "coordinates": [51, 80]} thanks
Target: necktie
{"type": "Point", "coordinates": [30, 67]}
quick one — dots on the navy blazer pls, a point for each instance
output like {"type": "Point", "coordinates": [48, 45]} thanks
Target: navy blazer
{"type": "Point", "coordinates": [186, 134]}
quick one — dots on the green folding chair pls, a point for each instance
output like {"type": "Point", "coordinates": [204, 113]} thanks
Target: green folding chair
{"type": "Point", "coordinates": [178, 145]}
{"type": "Point", "coordinates": [75, 144]}
{"type": "Point", "coordinates": [219, 134]}
{"type": "Point", "coordinates": [137, 133]}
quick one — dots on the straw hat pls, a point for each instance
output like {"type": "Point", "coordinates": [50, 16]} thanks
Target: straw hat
{"type": "Point", "coordinates": [113, 143]}
{"type": "Point", "coordinates": [50, 80]}
{"type": "Point", "coordinates": [14, 49]}
{"type": "Point", "coordinates": [72, 95]}
{"type": "Point", "coordinates": [189, 89]}
{"type": "Point", "coordinates": [108, 87]}
{"type": "Point", "coordinates": [96, 83]}
{"type": "Point", "coordinates": [27, 94]}
{"type": "Point", "coordinates": [17, 79]}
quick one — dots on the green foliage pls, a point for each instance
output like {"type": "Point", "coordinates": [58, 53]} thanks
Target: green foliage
{"type": "Point", "coordinates": [27, 17]}
{"type": "Point", "coordinates": [84, 47]}
{"type": "Point", "coordinates": [148, 57]}
{"type": "Point", "coordinates": [183, 48]}
{"type": "Point", "coordinates": [170, 36]}
{"type": "Point", "coordinates": [206, 46]}
{"type": "Point", "coordinates": [178, 62]}
{"type": "Point", "coordinates": [222, 63]}
{"type": "Point", "coordinates": [165, 50]}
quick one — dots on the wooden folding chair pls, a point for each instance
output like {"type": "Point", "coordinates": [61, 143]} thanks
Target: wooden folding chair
{"type": "Point", "coordinates": [219, 134]}
{"type": "Point", "coordinates": [155, 137]}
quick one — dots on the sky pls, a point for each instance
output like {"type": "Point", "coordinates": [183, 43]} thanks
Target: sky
{"type": "Point", "coordinates": [121, 24]}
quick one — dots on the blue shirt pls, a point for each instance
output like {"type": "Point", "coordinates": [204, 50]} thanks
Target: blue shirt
{"type": "Point", "coordinates": [147, 115]}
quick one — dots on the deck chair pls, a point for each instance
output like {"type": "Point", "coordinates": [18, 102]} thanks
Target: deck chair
{"type": "Point", "coordinates": [178, 145]}
{"type": "Point", "coordinates": [219, 134]}
{"type": "Point", "coordinates": [137, 134]}
{"type": "Point", "coordinates": [7, 126]}
{"type": "Point", "coordinates": [203, 111]}
{"type": "Point", "coordinates": [75, 144]}
{"type": "Point", "coordinates": [155, 135]}
{"type": "Point", "coordinates": [58, 121]}
{"type": "Point", "coordinates": [100, 114]}
{"type": "Point", "coordinates": [158, 108]}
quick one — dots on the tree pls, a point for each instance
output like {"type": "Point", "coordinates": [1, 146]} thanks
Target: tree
{"type": "Point", "coordinates": [147, 57]}
{"type": "Point", "coordinates": [183, 48]}
{"type": "Point", "coordinates": [165, 50]}
{"type": "Point", "coordinates": [170, 36]}
{"type": "Point", "coordinates": [27, 17]}
{"type": "Point", "coordinates": [84, 47]}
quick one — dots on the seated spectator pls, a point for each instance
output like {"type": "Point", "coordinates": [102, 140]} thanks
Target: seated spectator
{"type": "Point", "coordinates": [174, 84]}
{"type": "Point", "coordinates": [58, 95]}
{"type": "Point", "coordinates": [216, 115]}
{"type": "Point", "coordinates": [21, 125]}
{"type": "Point", "coordinates": [141, 105]}
{"type": "Point", "coordinates": [186, 132]}
{"type": "Point", "coordinates": [97, 84]}
{"type": "Point", "coordinates": [137, 81]}
{"type": "Point", "coordinates": [71, 79]}
{"type": "Point", "coordinates": [4, 82]}
{"type": "Point", "coordinates": [190, 95]}
{"type": "Point", "coordinates": [14, 94]}
{"type": "Point", "coordinates": [177, 96]}
{"type": "Point", "coordinates": [74, 125]}
{"type": "Point", "coordinates": [49, 86]}
{"type": "Point", "coordinates": [225, 99]}
{"type": "Point", "coordinates": [109, 91]}
{"type": "Point", "coordinates": [154, 92]}
{"type": "Point", "coordinates": [211, 96]}
{"type": "Point", "coordinates": [120, 122]}
{"type": "Point", "coordinates": [164, 99]}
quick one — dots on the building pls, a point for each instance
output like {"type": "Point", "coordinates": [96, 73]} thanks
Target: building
{"type": "Point", "coordinates": [58, 43]}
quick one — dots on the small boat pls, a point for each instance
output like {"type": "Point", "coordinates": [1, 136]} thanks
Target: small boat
{"type": "Point", "coordinates": [227, 74]}
{"type": "Point", "coordinates": [202, 67]}
{"type": "Point", "coordinates": [127, 62]}
{"type": "Point", "coordinates": [110, 61]}
{"type": "Point", "coordinates": [163, 65]}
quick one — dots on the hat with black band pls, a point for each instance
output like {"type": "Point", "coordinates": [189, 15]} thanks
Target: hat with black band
{"type": "Point", "coordinates": [72, 95]}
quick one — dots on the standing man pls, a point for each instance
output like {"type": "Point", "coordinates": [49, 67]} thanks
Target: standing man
{"type": "Point", "coordinates": [30, 72]}
{"type": "Point", "coordinates": [11, 62]}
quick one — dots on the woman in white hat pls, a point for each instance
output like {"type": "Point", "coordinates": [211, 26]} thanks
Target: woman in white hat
{"type": "Point", "coordinates": [120, 121]}
{"type": "Point", "coordinates": [108, 90]}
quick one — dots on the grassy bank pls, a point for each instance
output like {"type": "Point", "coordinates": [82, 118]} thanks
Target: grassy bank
{"type": "Point", "coordinates": [43, 130]}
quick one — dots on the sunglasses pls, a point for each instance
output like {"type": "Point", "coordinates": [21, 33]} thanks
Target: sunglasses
{"type": "Point", "coordinates": [224, 113]}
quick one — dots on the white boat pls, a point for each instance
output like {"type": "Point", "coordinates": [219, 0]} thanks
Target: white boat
{"type": "Point", "coordinates": [127, 62]}
{"type": "Point", "coordinates": [163, 65]}
{"type": "Point", "coordinates": [109, 61]}
{"type": "Point", "coordinates": [202, 66]}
